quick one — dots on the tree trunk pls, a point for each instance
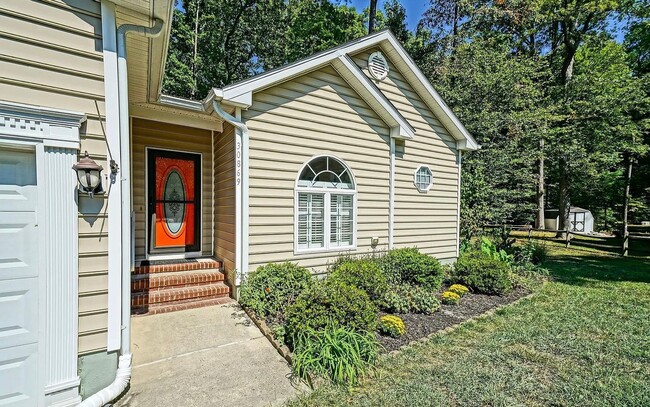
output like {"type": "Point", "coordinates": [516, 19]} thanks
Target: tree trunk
{"type": "Point", "coordinates": [539, 221]}
{"type": "Point", "coordinates": [195, 56]}
{"type": "Point", "coordinates": [626, 203]}
{"type": "Point", "coordinates": [372, 15]}
{"type": "Point", "coordinates": [565, 203]}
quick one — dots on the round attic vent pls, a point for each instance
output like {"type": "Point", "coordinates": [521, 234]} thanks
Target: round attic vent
{"type": "Point", "coordinates": [377, 65]}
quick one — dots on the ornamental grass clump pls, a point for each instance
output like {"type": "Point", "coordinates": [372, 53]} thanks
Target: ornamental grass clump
{"type": "Point", "coordinates": [450, 298]}
{"type": "Point", "coordinates": [458, 289]}
{"type": "Point", "coordinates": [392, 325]}
{"type": "Point", "coordinates": [339, 354]}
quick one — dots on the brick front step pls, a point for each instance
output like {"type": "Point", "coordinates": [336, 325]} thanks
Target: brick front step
{"type": "Point", "coordinates": [190, 265]}
{"type": "Point", "coordinates": [148, 298]}
{"type": "Point", "coordinates": [178, 305]}
{"type": "Point", "coordinates": [159, 281]}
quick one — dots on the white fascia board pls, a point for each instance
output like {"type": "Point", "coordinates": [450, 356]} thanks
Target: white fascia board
{"type": "Point", "coordinates": [181, 103]}
{"type": "Point", "coordinates": [400, 127]}
{"type": "Point", "coordinates": [267, 79]}
{"type": "Point", "coordinates": [409, 69]}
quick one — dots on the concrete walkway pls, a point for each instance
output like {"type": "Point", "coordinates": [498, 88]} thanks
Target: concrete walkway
{"type": "Point", "coordinates": [212, 356]}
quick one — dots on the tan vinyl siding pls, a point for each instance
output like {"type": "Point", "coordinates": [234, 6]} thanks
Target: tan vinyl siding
{"type": "Point", "coordinates": [426, 220]}
{"type": "Point", "coordinates": [317, 113]}
{"type": "Point", "coordinates": [224, 205]}
{"type": "Point", "coordinates": [51, 55]}
{"type": "Point", "coordinates": [150, 134]}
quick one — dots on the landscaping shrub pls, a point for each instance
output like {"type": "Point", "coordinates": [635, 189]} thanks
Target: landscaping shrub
{"type": "Point", "coordinates": [458, 289]}
{"type": "Point", "coordinates": [270, 289]}
{"type": "Point", "coordinates": [449, 297]}
{"type": "Point", "coordinates": [482, 273]}
{"type": "Point", "coordinates": [489, 249]}
{"type": "Point", "coordinates": [339, 354]}
{"type": "Point", "coordinates": [530, 253]}
{"type": "Point", "coordinates": [404, 298]}
{"type": "Point", "coordinates": [395, 301]}
{"type": "Point", "coordinates": [330, 303]}
{"type": "Point", "coordinates": [392, 325]}
{"type": "Point", "coordinates": [410, 266]}
{"type": "Point", "coordinates": [363, 274]}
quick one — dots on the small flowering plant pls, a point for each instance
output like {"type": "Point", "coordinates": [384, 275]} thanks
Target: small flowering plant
{"type": "Point", "coordinates": [450, 298]}
{"type": "Point", "coordinates": [392, 325]}
{"type": "Point", "coordinates": [458, 289]}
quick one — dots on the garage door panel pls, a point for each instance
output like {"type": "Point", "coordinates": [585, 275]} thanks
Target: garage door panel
{"type": "Point", "coordinates": [18, 372]}
{"type": "Point", "coordinates": [17, 199]}
{"type": "Point", "coordinates": [19, 310]}
{"type": "Point", "coordinates": [18, 245]}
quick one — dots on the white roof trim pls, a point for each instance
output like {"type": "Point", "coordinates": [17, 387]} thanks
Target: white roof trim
{"type": "Point", "coordinates": [400, 127]}
{"type": "Point", "coordinates": [240, 93]}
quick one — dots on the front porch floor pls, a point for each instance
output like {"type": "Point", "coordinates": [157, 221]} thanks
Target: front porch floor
{"type": "Point", "coordinates": [212, 356]}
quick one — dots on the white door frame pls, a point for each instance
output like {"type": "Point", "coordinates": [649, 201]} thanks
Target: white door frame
{"type": "Point", "coordinates": [54, 135]}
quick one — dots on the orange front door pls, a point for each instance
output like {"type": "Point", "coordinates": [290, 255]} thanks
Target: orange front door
{"type": "Point", "coordinates": [174, 201]}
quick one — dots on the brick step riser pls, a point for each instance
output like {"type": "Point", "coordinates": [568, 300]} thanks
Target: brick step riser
{"type": "Point", "coordinates": [164, 296]}
{"type": "Point", "coordinates": [156, 284]}
{"type": "Point", "coordinates": [178, 306]}
{"type": "Point", "coordinates": [171, 268]}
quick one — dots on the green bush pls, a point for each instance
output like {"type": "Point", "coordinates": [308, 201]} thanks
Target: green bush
{"type": "Point", "coordinates": [392, 325]}
{"type": "Point", "coordinates": [488, 248]}
{"type": "Point", "coordinates": [363, 274]}
{"type": "Point", "coordinates": [342, 355]}
{"type": "Point", "coordinates": [529, 253]}
{"type": "Point", "coordinates": [270, 289]}
{"type": "Point", "coordinates": [410, 266]}
{"type": "Point", "coordinates": [483, 273]}
{"type": "Point", "coordinates": [330, 303]}
{"type": "Point", "coordinates": [404, 298]}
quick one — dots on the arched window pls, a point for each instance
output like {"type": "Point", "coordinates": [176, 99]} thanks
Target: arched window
{"type": "Point", "coordinates": [325, 212]}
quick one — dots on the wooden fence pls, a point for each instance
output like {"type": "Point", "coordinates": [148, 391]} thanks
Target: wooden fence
{"type": "Point", "coordinates": [637, 240]}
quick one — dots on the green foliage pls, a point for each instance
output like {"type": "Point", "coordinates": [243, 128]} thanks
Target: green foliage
{"type": "Point", "coordinates": [364, 274]}
{"type": "Point", "coordinates": [404, 298]}
{"type": "Point", "coordinates": [531, 252]}
{"type": "Point", "coordinates": [489, 249]}
{"type": "Point", "coordinates": [392, 325]}
{"type": "Point", "coordinates": [450, 298]}
{"type": "Point", "coordinates": [270, 289]}
{"type": "Point", "coordinates": [483, 273]}
{"type": "Point", "coordinates": [341, 355]}
{"type": "Point", "coordinates": [409, 266]}
{"type": "Point", "coordinates": [330, 303]}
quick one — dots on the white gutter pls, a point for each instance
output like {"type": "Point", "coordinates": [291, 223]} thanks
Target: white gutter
{"type": "Point", "coordinates": [241, 187]}
{"type": "Point", "coordinates": [123, 374]}
{"type": "Point", "coordinates": [391, 196]}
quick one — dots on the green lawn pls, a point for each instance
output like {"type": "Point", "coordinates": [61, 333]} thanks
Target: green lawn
{"type": "Point", "coordinates": [583, 339]}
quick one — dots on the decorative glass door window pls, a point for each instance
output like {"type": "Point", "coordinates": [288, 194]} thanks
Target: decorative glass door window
{"type": "Point", "coordinates": [325, 206]}
{"type": "Point", "coordinates": [174, 191]}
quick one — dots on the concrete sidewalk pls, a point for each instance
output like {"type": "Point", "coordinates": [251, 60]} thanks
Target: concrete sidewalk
{"type": "Point", "coordinates": [212, 356]}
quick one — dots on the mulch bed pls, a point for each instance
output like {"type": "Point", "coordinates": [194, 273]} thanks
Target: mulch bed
{"type": "Point", "coordinates": [419, 325]}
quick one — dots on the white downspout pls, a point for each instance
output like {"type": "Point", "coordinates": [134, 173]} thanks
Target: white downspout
{"type": "Point", "coordinates": [241, 259]}
{"type": "Point", "coordinates": [460, 163]}
{"type": "Point", "coordinates": [391, 196]}
{"type": "Point", "coordinates": [123, 374]}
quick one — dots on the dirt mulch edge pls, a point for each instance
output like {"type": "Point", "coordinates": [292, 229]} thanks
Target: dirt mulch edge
{"type": "Point", "coordinates": [452, 328]}
{"type": "Point", "coordinates": [282, 349]}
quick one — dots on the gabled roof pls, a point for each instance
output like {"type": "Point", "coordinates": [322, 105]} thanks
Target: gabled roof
{"type": "Point", "coordinates": [241, 93]}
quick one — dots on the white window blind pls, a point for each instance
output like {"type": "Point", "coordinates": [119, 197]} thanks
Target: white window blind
{"type": "Point", "coordinates": [311, 219]}
{"type": "Point", "coordinates": [341, 220]}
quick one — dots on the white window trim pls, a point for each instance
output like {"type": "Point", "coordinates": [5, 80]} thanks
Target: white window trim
{"type": "Point", "coordinates": [415, 178]}
{"type": "Point", "coordinates": [327, 248]}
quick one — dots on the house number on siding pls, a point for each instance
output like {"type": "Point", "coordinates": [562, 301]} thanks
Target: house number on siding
{"type": "Point", "coordinates": [238, 160]}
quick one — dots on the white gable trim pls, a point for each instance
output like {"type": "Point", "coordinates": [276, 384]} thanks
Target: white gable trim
{"type": "Point", "coordinates": [399, 127]}
{"type": "Point", "coordinates": [240, 93]}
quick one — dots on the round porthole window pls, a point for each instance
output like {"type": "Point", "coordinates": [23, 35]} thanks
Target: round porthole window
{"type": "Point", "coordinates": [378, 65]}
{"type": "Point", "coordinates": [423, 178]}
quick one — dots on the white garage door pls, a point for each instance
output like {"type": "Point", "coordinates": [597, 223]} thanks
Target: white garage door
{"type": "Point", "coordinates": [19, 253]}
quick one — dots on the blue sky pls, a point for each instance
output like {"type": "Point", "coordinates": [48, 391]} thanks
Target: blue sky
{"type": "Point", "coordinates": [414, 9]}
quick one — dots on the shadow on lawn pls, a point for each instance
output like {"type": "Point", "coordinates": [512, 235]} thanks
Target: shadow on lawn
{"type": "Point", "coordinates": [583, 270]}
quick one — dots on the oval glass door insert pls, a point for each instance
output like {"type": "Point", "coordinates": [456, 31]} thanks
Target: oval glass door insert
{"type": "Point", "coordinates": [174, 198]}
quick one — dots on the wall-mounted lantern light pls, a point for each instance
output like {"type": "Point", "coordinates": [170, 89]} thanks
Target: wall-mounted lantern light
{"type": "Point", "coordinates": [89, 174]}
